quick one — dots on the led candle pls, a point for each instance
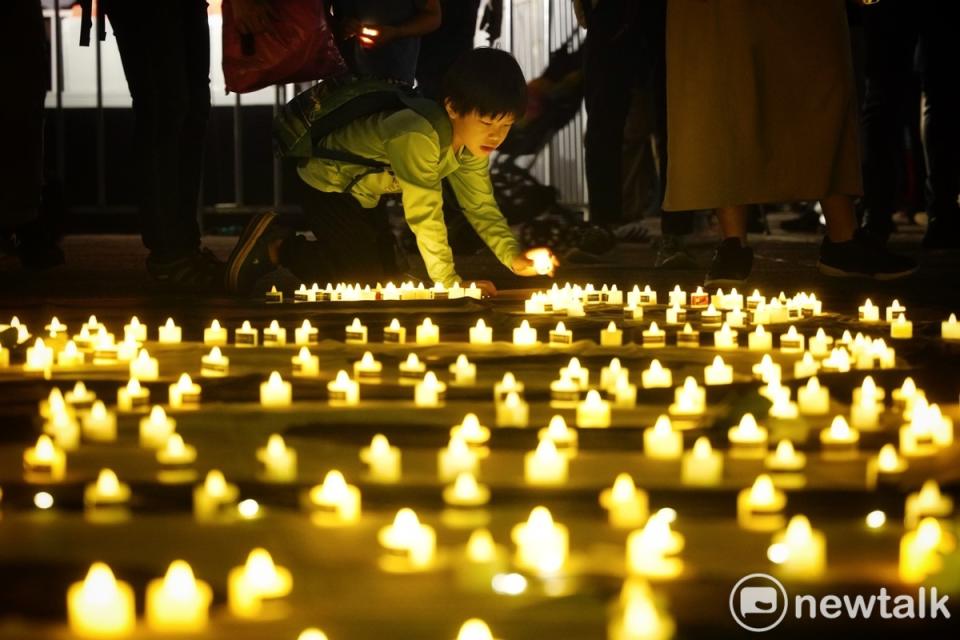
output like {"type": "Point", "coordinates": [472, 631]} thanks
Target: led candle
{"type": "Point", "coordinates": [133, 396]}
{"type": "Point", "coordinates": [175, 452]}
{"type": "Point", "coordinates": [367, 368]}
{"type": "Point", "coordinates": [894, 311]}
{"type": "Point", "coordinates": [661, 441]}
{"type": "Point", "coordinates": [342, 391]}
{"type": "Point", "coordinates": [69, 356]}
{"type": "Point", "coordinates": [79, 397]}
{"type": "Point", "coordinates": [156, 428]}
{"type": "Point", "coordinates": [135, 330]}
{"type": "Point", "coordinates": [178, 602]}
{"type": "Point", "coordinates": [868, 312]}
{"type": "Point", "coordinates": [718, 373]}
{"type": "Point", "coordinates": [480, 333]}
{"type": "Point", "coordinates": [214, 364]}
{"type": "Point", "coordinates": [901, 328]}
{"type": "Point", "coordinates": [689, 399]}
{"type": "Point", "coordinates": [246, 335]}
{"type": "Point", "coordinates": [624, 393]}
{"type": "Point", "coordinates": [101, 606]}
{"type": "Point", "coordinates": [169, 333]}
{"type": "Point", "coordinates": [563, 437]}
{"type": "Point", "coordinates": [471, 431]}
{"type": "Point", "coordinates": [677, 297]}
{"type": "Point", "coordinates": [647, 297]}
{"type": "Point", "coordinates": [274, 335]}
{"type": "Point", "coordinates": [654, 337]}
{"type": "Point", "coordinates": [785, 458]}
{"type": "Point", "coordinates": [804, 548]}
{"type": "Point", "coordinates": [428, 333]}
{"type": "Point", "coordinates": [39, 357]}
{"type": "Point", "coordinates": [711, 317]}
{"type": "Point", "coordinates": [611, 336]}
{"type": "Point", "coordinates": [542, 544]}
{"type": "Point", "coordinates": [305, 364]}
{"type": "Point", "coordinates": [214, 497]}
{"type": "Point", "coordinates": [560, 336]}
{"type": "Point", "coordinates": [99, 425]}
{"type": "Point", "coordinates": [394, 333]}
{"type": "Point", "coordinates": [688, 337]}
{"type": "Point", "coordinates": [736, 318]}
{"type": "Point", "coordinates": [702, 466]}
{"type": "Point", "coordinates": [919, 551]}
{"type": "Point", "coordinates": [950, 328]}
{"type": "Point", "coordinates": [45, 459]}
{"type": "Point", "coordinates": [275, 392]}
{"type": "Point", "coordinates": [888, 463]}
{"type": "Point", "coordinates": [144, 367]}
{"type": "Point", "coordinates": [839, 437]}
{"type": "Point", "coordinates": [466, 492]}
{"type": "Point", "coordinates": [525, 335]}
{"type": "Point", "coordinates": [273, 296]}
{"type": "Point", "coordinates": [55, 327]}
{"type": "Point", "coordinates": [382, 459]}
{"type": "Point", "coordinates": [626, 506]}
{"type": "Point", "coordinates": [747, 434]}
{"type": "Point", "coordinates": [725, 338]}
{"type": "Point", "coordinates": [429, 392]}
{"type": "Point", "coordinates": [455, 458]}
{"type": "Point", "coordinates": [334, 502]}
{"type": "Point", "coordinates": [215, 335]}
{"type": "Point", "coordinates": [819, 345]}
{"type": "Point", "coordinates": [610, 373]}
{"type": "Point", "coordinates": [463, 372]}
{"type": "Point", "coordinates": [699, 299]}
{"type": "Point", "coordinates": [759, 340]}
{"type": "Point", "coordinates": [760, 506]}
{"type": "Point", "coordinates": [676, 314]}
{"type": "Point", "coordinates": [411, 369]}
{"type": "Point", "coordinates": [633, 312]}
{"type": "Point", "coordinates": [545, 466]}
{"type": "Point", "coordinates": [5, 357]}
{"type": "Point", "coordinates": [305, 334]}
{"type": "Point", "coordinates": [513, 411]}
{"type": "Point", "coordinates": [257, 580]}
{"type": "Point", "coordinates": [355, 333]}
{"type": "Point", "coordinates": [652, 551]}
{"type": "Point", "coordinates": [303, 294]}
{"type": "Point", "coordinates": [407, 538]}
{"type": "Point", "coordinates": [184, 393]}
{"type": "Point", "coordinates": [637, 617]}
{"type": "Point", "coordinates": [791, 341]}
{"type": "Point", "coordinates": [107, 491]}
{"type": "Point", "coordinates": [576, 372]}
{"type": "Point", "coordinates": [838, 361]}
{"type": "Point", "coordinates": [929, 502]}
{"type": "Point", "coordinates": [507, 384]}
{"type": "Point", "coordinates": [813, 399]}
{"type": "Point", "coordinates": [473, 291]}
{"type": "Point", "coordinates": [279, 462]}
{"type": "Point", "coordinates": [593, 412]}
{"type": "Point", "coordinates": [656, 376]}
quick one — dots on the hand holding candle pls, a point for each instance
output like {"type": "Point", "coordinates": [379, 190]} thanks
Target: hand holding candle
{"type": "Point", "coordinates": [536, 262]}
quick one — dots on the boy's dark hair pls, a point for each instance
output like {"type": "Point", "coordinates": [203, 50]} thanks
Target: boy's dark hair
{"type": "Point", "coordinates": [488, 81]}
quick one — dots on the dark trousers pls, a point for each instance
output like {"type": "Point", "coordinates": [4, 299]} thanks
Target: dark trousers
{"type": "Point", "coordinates": [896, 33]}
{"type": "Point", "coordinates": [165, 49]}
{"type": "Point", "coordinates": [352, 244]}
{"type": "Point", "coordinates": [625, 49]}
{"type": "Point", "coordinates": [23, 67]}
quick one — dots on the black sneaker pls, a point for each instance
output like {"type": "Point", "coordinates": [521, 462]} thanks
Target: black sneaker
{"type": "Point", "coordinates": [250, 259]}
{"type": "Point", "coordinates": [198, 272]}
{"type": "Point", "coordinates": [863, 257]}
{"type": "Point", "coordinates": [731, 265]}
{"type": "Point", "coordinates": [673, 254]}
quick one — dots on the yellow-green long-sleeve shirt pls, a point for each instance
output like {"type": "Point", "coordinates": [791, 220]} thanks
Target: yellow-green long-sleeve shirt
{"type": "Point", "coordinates": [411, 146]}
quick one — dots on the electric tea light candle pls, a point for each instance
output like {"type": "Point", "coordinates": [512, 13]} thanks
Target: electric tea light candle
{"type": "Point", "coordinates": [215, 335]}
{"type": "Point", "coordinates": [107, 491]}
{"type": "Point", "coordinates": [524, 335]}
{"type": "Point", "coordinates": [176, 453]}
{"type": "Point", "coordinates": [560, 336]}
{"type": "Point", "coordinates": [868, 312]}
{"type": "Point", "coordinates": [626, 506]}
{"type": "Point", "coordinates": [702, 466]}
{"type": "Point", "coordinates": [274, 335]}
{"type": "Point", "coordinates": [456, 458]}
{"type": "Point", "coordinates": [257, 580]}
{"type": "Point", "coordinates": [611, 336]}
{"type": "Point", "coordinates": [382, 460]}
{"type": "Point", "coordinates": [275, 392]}
{"type": "Point", "coordinates": [785, 458]}
{"type": "Point", "coordinates": [394, 333]}
{"type": "Point", "coordinates": [901, 328]}
{"type": "Point", "coordinates": [279, 462]}
{"type": "Point", "coordinates": [99, 424]}
{"type": "Point", "coordinates": [342, 391]}
{"type": "Point", "coordinates": [656, 376]}
{"type": "Point", "coordinates": [718, 373]}
{"type": "Point", "coordinates": [463, 372]}
{"type": "Point", "coordinates": [184, 393]}
{"type": "Point", "coordinates": [813, 399]}
{"type": "Point", "coordinates": [100, 606]}
{"type": "Point", "coordinates": [335, 502]}
{"type": "Point", "coordinates": [178, 602]}
{"type": "Point", "coordinates": [545, 466]}
{"type": "Point", "coordinates": [306, 334]}
{"type": "Point", "coordinates": [305, 364]}
{"type": "Point", "coordinates": [428, 333]}
{"type": "Point", "coordinates": [542, 544]}
{"type": "Point", "coordinates": [156, 428]}
{"type": "Point", "coordinates": [661, 441]}
{"type": "Point", "coordinates": [760, 506]}
{"type": "Point", "coordinates": [355, 333]}
{"type": "Point", "coordinates": [950, 328]}
{"type": "Point", "coordinates": [133, 396]}
{"type": "Point", "coordinates": [367, 368]}
{"type": "Point", "coordinates": [169, 333]}
{"type": "Point", "coordinates": [804, 550]}
{"type": "Point", "coordinates": [410, 540]}
{"type": "Point", "coordinates": [214, 364]}
{"type": "Point", "coordinates": [654, 337]}
{"type": "Point", "coordinates": [144, 367]}
{"type": "Point", "coordinates": [593, 412]}
{"type": "Point", "coordinates": [480, 333]}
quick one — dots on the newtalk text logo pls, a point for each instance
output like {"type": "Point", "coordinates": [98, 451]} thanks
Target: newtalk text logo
{"type": "Point", "coordinates": [759, 602]}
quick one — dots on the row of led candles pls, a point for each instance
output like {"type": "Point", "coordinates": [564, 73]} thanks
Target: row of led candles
{"type": "Point", "coordinates": [344, 292]}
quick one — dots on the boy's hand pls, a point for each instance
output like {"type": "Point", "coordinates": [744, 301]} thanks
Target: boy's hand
{"type": "Point", "coordinates": [536, 262]}
{"type": "Point", "coordinates": [372, 36]}
{"type": "Point", "coordinates": [487, 288]}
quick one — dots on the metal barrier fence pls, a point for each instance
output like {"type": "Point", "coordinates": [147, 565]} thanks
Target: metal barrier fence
{"type": "Point", "coordinates": [532, 28]}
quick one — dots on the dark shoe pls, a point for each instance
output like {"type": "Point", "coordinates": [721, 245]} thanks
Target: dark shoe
{"type": "Point", "coordinates": [731, 265]}
{"type": "Point", "coordinates": [198, 272]}
{"type": "Point", "coordinates": [940, 235]}
{"type": "Point", "coordinates": [673, 254]}
{"type": "Point", "coordinates": [863, 257]}
{"type": "Point", "coordinates": [250, 259]}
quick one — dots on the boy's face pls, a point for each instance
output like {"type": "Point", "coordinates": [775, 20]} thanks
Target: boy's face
{"type": "Point", "coordinates": [481, 134]}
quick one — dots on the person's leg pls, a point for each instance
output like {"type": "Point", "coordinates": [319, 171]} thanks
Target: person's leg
{"type": "Point", "coordinates": [940, 59]}
{"type": "Point", "coordinates": [890, 36]}
{"type": "Point", "coordinates": [733, 222]}
{"type": "Point", "coordinates": [609, 73]}
{"type": "Point", "coordinates": [841, 217]}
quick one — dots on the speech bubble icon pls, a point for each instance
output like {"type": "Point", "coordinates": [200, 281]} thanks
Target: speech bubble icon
{"type": "Point", "coordinates": [758, 600]}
